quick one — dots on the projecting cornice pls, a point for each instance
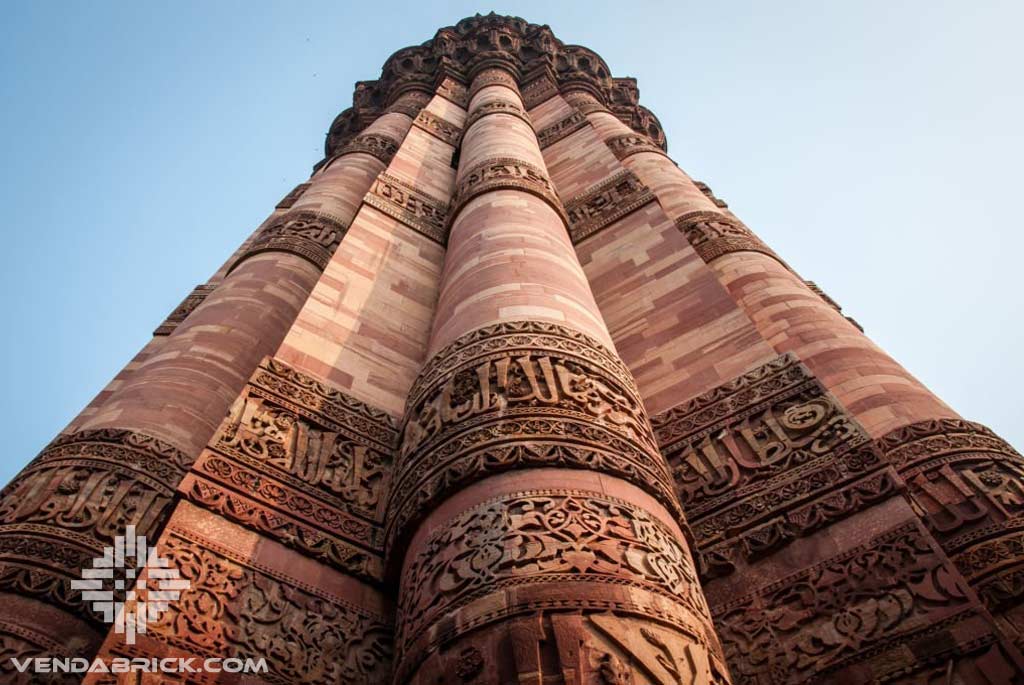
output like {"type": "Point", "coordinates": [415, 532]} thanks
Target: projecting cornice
{"type": "Point", "coordinates": [455, 52]}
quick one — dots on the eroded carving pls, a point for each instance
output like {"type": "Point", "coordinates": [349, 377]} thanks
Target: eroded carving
{"type": "Point", "coordinates": [439, 127]}
{"type": "Point", "coordinates": [187, 306]}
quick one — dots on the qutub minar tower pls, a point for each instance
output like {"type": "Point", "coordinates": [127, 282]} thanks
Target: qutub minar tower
{"type": "Point", "coordinates": [500, 395]}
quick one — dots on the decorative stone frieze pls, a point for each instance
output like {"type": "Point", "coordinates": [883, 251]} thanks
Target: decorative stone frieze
{"type": "Point", "coordinates": [765, 459]}
{"type": "Point", "coordinates": [561, 129]}
{"type": "Point", "coordinates": [517, 395]}
{"type": "Point", "coordinates": [303, 463]}
{"type": "Point", "coordinates": [440, 128]}
{"type": "Point", "coordinates": [414, 208]}
{"type": "Point", "coordinates": [505, 173]}
{"type": "Point", "coordinates": [311, 235]}
{"type": "Point", "coordinates": [713, 234]}
{"type": "Point", "coordinates": [968, 484]}
{"type": "Point", "coordinates": [497, 107]}
{"type": "Point", "coordinates": [236, 608]}
{"type": "Point", "coordinates": [187, 306]}
{"type": "Point", "coordinates": [380, 146]}
{"type": "Point", "coordinates": [81, 492]}
{"type": "Point", "coordinates": [630, 144]}
{"type": "Point", "coordinates": [606, 203]}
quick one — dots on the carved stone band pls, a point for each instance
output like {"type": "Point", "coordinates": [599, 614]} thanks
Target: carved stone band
{"type": "Point", "coordinates": [493, 76]}
{"type": "Point", "coordinates": [766, 458]}
{"type": "Point", "coordinates": [543, 536]}
{"type": "Point", "coordinates": [561, 129]}
{"type": "Point", "coordinates": [605, 204]}
{"type": "Point", "coordinates": [303, 463]}
{"type": "Point", "coordinates": [497, 107]}
{"type": "Point", "coordinates": [380, 146]}
{"type": "Point", "coordinates": [520, 398]}
{"type": "Point", "coordinates": [310, 235]}
{"type": "Point", "coordinates": [538, 91]}
{"type": "Point", "coordinates": [505, 173]}
{"type": "Point", "coordinates": [330, 640]}
{"type": "Point", "coordinates": [414, 208]}
{"type": "Point", "coordinates": [187, 306]}
{"type": "Point", "coordinates": [630, 144]}
{"type": "Point", "coordinates": [439, 127]}
{"type": "Point", "coordinates": [968, 483]}
{"type": "Point", "coordinates": [878, 599]}
{"type": "Point", "coordinates": [547, 554]}
{"type": "Point", "coordinates": [81, 491]}
{"type": "Point", "coordinates": [713, 234]}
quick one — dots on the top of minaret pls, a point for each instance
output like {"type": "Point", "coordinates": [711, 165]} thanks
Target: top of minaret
{"type": "Point", "coordinates": [456, 53]}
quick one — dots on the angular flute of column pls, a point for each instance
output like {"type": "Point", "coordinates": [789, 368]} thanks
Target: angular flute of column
{"type": "Point", "coordinates": [963, 483]}
{"type": "Point", "coordinates": [531, 521]}
{"type": "Point", "coordinates": [126, 456]}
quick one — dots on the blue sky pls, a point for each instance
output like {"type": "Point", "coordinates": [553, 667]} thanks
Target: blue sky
{"type": "Point", "coordinates": [875, 145]}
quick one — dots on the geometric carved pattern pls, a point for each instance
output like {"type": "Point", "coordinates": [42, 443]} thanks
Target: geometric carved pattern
{"type": "Point", "coordinates": [514, 395]}
{"type": "Point", "coordinates": [766, 458]}
{"type": "Point", "coordinates": [303, 463]}
{"type": "Point", "coordinates": [713, 234]}
{"type": "Point", "coordinates": [524, 542]}
{"type": "Point", "coordinates": [188, 305]}
{"type": "Point", "coordinates": [414, 208]}
{"type": "Point", "coordinates": [888, 607]}
{"type": "Point", "coordinates": [310, 235]}
{"type": "Point", "coordinates": [504, 173]}
{"type": "Point", "coordinates": [968, 485]}
{"type": "Point", "coordinates": [82, 490]}
{"type": "Point", "coordinates": [236, 608]}
{"type": "Point", "coordinates": [561, 129]}
{"type": "Point", "coordinates": [605, 204]}
{"type": "Point", "coordinates": [440, 128]}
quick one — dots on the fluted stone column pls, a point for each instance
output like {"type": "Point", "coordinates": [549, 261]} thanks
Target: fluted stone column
{"type": "Point", "coordinates": [532, 521]}
{"type": "Point", "coordinates": [961, 479]}
{"type": "Point", "coordinates": [127, 452]}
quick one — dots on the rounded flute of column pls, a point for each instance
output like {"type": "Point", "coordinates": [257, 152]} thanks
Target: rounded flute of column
{"type": "Point", "coordinates": [126, 456]}
{"type": "Point", "coordinates": [531, 520]}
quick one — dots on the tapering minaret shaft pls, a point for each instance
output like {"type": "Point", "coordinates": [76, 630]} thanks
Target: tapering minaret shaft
{"type": "Point", "coordinates": [527, 478]}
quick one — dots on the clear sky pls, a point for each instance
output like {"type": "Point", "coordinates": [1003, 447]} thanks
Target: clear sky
{"type": "Point", "coordinates": [875, 145]}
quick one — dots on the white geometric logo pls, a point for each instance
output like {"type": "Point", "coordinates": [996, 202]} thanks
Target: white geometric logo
{"type": "Point", "coordinates": [118, 570]}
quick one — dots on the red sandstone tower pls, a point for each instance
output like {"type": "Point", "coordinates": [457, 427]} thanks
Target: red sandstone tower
{"type": "Point", "coordinates": [500, 395]}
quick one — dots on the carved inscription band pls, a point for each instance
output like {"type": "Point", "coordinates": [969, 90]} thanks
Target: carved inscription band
{"type": "Point", "coordinates": [561, 129]}
{"type": "Point", "coordinates": [505, 173]}
{"type": "Point", "coordinates": [305, 464]}
{"type": "Point", "coordinates": [603, 205]}
{"type": "Point", "coordinates": [969, 485]}
{"type": "Point", "coordinates": [414, 208]}
{"type": "Point", "coordinates": [766, 458]}
{"type": "Point", "coordinates": [310, 235]}
{"type": "Point", "coordinates": [81, 491]}
{"type": "Point", "coordinates": [497, 107]}
{"type": "Point", "coordinates": [714, 234]}
{"type": "Point", "coordinates": [440, 128]}
{"type": "Point", "coordinates": [520, 395]}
